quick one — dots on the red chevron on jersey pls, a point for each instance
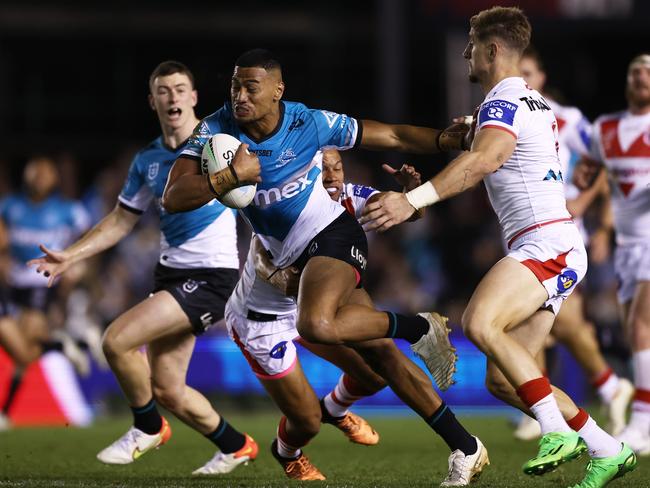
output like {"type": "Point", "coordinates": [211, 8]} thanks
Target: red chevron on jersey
{"type": "Point", "coordinates": [640, 148]}
{"type": "Point", "coordinates": [626, 188]}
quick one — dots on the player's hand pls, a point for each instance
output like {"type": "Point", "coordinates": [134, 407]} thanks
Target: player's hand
{"type": "Point", "coordinates": [407, 176]}
{"type": "Point", "coordinates": [246, 165]}
{"type": "Point", "coordinates": [53, 264]}
{"type": "Point", "coordinates": [585, 173]}
{"type": "Point", "coordinates": [599, 246]}
{"type": "Point", "coordinates": [389, 209]}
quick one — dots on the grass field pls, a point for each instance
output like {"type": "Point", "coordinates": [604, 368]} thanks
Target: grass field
{"type": "Point", "coordinates": [409, 454]}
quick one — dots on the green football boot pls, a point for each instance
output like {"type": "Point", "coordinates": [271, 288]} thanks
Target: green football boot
{"type": "Point", "coordinates": [555, 448]}
{"type": "Point", "coordinates": [600, 471]}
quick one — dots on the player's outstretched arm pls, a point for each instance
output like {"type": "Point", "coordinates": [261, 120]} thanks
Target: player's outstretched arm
{"type": "Point", "coordinates": [491, 148]}
{"type": "Point", "coordinates": [188, 189]}
{"type": "Point", "coordinates": [413, 139]}
{"type": "Point", "coordinates": [409, 178]}
{"type": "Point", "coordinates": [108, 232]}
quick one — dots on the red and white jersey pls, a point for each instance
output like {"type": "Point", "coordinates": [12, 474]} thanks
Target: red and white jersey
{"type": "Point", "coordinates": [574, 137]}
{"type": "Point", "coordinates": [528, 189]}
{"type": "Point", "coordinates": [621, 141]}
{"type": "Point", "coordinates": [354, 198]}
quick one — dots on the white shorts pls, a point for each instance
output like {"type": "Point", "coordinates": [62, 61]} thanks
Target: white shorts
{"type": "Point", "coordinates": [632, 264]}
{"type": "Point", "coordinates": [267, 345]}
{"type": "Point", "coordinates": [557, 257]}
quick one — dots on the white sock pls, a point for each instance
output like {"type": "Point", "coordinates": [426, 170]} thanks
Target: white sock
{"type": "Point", "coordinates": [607, 390]}
{"type": "Point", "coordinates": [340, 399]}
{"type": "Point", "coordinates": [640, 419]}
{"type": "Point", "coordinates": [549, 416]}
{"type": "Point", "coordinates": [287, 451]}
{"type": "Point", "coordinates": [599, 442]}
{"type": "Point", "coordinates": [641, 367]}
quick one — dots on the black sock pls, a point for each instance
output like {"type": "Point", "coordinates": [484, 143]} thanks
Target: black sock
{"type": "Point", "coordinates": [226, 438]}
{"type": "Point", "coordinates": [325, 416]}
{"type": "Point", "coordinates": [147, 418]}
{"type": "Point", "coordinates": [16, 381]}
{"type": "Point", "coordinates": [444, 422]}
{"type": "Point", "coordinates": [404, 327]}
{"type": "Point", "coordinates": [51, 346]}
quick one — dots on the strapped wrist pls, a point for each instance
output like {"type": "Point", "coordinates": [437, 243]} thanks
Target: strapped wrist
{"type": "Point", "coordinates": [223, 181]}
{"type": "Point", "coordinates": [422, 196]}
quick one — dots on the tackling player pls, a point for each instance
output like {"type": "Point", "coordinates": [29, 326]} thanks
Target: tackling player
{"type": "Point", "coordinates": [514, 306]}
{"type": "Point", "coordinates": [197, 271]}
{"type": "Point", "coordinates": [621, 143]}
{"type": "Point", "coordinates": [300, 225]}
{"type": "Point", "coordinates": [571, 327]}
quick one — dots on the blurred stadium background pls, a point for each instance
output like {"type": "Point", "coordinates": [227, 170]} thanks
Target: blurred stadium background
{"type": "Point", "coordinates": [73, 85]}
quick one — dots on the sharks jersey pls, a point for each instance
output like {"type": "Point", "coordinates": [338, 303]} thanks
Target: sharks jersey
{"type": "Point", "coordinates": [290, 206]}
{"type": "Point", "coordinates": [54, 222]}
{"type": "Point", "coordinates": [203, 238]}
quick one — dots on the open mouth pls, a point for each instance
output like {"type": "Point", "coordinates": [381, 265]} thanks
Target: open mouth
{"type": "Point", "coordinates": [331, 189]}
{"type": "Point", "coordinates": [241, 110]}
{"type": "Point", "coordinates": [174, 113]}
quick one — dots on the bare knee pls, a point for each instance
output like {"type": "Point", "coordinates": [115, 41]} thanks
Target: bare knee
{"type": "Point", "coordinates": [478, 330]}
{"type": "Point", "coordinates": [640, 332]}
{"type": "Point", "coordinates": [319, 330]}
{"type": "Point", "coordinates": [379, 355]}
{"type": "Point", "coordinates": [169, 396]}
{"type": "Point", "coordinates": [307, 422]}
{"type": "Point", "coordinates": [113, 346]}
{"type": "Point", "coordinates": [500, 387]}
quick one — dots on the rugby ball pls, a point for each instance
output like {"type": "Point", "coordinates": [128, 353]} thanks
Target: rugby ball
{"type": "Point", "coordinates": [218, 154]}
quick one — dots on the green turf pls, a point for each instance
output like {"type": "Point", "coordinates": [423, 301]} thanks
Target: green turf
{"type": "Point", "coordinates": [409, 455]}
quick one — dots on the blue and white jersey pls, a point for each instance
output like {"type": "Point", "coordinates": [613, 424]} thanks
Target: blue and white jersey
{"type": "Point", "coordinates": [55, 222]}
{"type": "Point", "coordinates": [290, 206]}
{"type": "Point", "coordinates": [203, 238]}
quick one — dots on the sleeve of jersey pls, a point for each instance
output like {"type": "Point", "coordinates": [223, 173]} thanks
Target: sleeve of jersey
{"type": "Point", "coordinates": [502, 114]}
{"type": "Point", "coordinates": [194, 146]}
{"type": "Point", "coordinates": [594, 143]}
{"type": "Point", "coordinates": [336, 131]}
{"type": "Point", "coordinates": [135, 195]}
{"type": "Point", "coordinates": [579, 137]}
{"type": "Point", "coordinates": [361, 194]}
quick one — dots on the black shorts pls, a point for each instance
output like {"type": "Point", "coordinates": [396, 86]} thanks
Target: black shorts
{"type": "Point", "coordinates": [201, 292]}
{"type": "Point", "coordinates": [35, 298]}
{"type": "Point", "coordinates": [343, 239]}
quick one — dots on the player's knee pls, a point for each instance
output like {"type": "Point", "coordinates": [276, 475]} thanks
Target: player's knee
{"type": "Point", "coordinates": [476, 330]}
{"type": "Point", "coordinates": [307, 423]}
{"type": "Point", "coordinates": [380, 356]}
{"type": "Point", "coordinates": [169, 396]}
{"type": "Point", "coordinates": [640, 332]}
{"type": "Point", "coordinates": [499, 386]}
{"type": "Point", "coordinates": [318, 330]}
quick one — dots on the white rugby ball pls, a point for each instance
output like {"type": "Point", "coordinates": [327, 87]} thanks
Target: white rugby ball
{"type": "Point", "coordinates": [218, 154]}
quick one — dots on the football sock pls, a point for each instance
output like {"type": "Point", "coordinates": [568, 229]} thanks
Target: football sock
{"type": "Point", "coordinates": [640, 418]}
{"type": "Point", "coordinates": [444, 423]}
{"type": "Point", "coordinates": [404, 327]}
{"type": "Point", "coordinates": [226, 438]}
{"type": "Point", "coordinates": [599, 442]}
{"type": "Point", "coordinates": [538, 396]}
{"type": "Point", "coordinates": [16, 381]}
{"type": "Point", "coordinates": [147, 418]}
{"type": "Point", "coordinates": [346, 392]}
{"type": "Point", "coordinates": [287, 447]}
{"type": "Point", "coordinates": [606, 385]}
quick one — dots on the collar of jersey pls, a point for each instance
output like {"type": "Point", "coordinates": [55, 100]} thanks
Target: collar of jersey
{"type": "Point", "coordinates": [272, 133]}
{"type": "Point", "coordinates": [511, 80]}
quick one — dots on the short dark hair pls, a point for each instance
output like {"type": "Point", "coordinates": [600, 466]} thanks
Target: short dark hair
{"type": "Point", "coordinates": [509, 24]}
{"type": "Point", "coordinates": [170, 67]}
{"type": "Point", "coordinates": [532, 53]}
{"type": "Point", "coordinates": [258, 58]}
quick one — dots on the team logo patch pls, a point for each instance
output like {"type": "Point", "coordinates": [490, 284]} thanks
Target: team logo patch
{"type": "Point", "coordinates": [279, 350]}
{"type": "Point", "coordinates": [153, 170]}
{"type": "Point", "coordinates": [552, 175]}
{"type": "Point", "coordinates": [498, 110]}
{"type": "Point", "coordinates": [190, 286]}
{"type": "Point", "coordinates": [566, 280]}
{"type": "Point", "coordinates": [313, 248]}
{"type": "Point", "coordinates": [285, 158]}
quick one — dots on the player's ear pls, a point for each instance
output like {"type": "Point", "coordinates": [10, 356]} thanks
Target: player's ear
{"type": "Point", "coordinates": [492, 51]}
{"type": "Point", "coordinates": [279, 91]}
{"type": "Point", "coordinates": [195, 98]}
{"type": "Point", "coordinates": [151, 104]}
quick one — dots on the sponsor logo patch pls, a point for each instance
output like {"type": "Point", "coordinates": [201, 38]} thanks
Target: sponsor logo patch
{"type": "Point", "coordinates": [498, 110]}
{"type": "Point", "coordinates": [566, 280]}
{"type": "Point", "coordinates": [279, 350]}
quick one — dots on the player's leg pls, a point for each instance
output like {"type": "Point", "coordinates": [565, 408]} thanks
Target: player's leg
{"type": "Point", "coordinates": [637, 324]}
{"type": "Point", "coordinates": [572, 329]}
{"type": "Point", "coordinates": [357, 382]}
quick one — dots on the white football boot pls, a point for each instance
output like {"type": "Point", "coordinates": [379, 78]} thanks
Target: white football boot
{"type": "Point", "coordinates": [134, 444]}
{"type": "Point", "coordinates": [527, 429]}
{"type": "Point", "coordinates": [435, 349]}
{"type": "Point", "coordinates": [465, 469]}
{"type": "Point", "coordinates": [636, 439]}
{"type": "Point", "coordinates": [617, 407]}
{"type": "Point", "coordinates": [224, 463]}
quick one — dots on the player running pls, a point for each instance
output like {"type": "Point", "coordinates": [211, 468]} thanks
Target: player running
{"type": "Point", "coordinates": [571, 327]}
{"type": "Point", "coordinates": [514, 306]}
{"type": "Point", "coordinates": [620, 142]}
{"type": "Point", "coordinates": [197, 271]}
{"type": "Point", "coordinates": [38, 214]}
{"type": "Point", "coordinates": [300, 225]}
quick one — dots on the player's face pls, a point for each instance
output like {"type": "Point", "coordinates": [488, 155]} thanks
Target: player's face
{"type": "Point", "coordinates": [476, 54]}
{"type": "Point", "coordinates": [173, 99]}
{"type": "Point", "coordinates": [254, 92]}
{"type": "Point", "coordinates": [638, 85]}
{"type": "Point", "coordinates": [535, 77]}
{"type": "Point", "coordinates": [41, 177]}
{"type": "Point", "coordinates": [333, 173]}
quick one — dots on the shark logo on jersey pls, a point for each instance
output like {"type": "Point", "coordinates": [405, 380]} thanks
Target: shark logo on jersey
{"type": "Point", "coordinates": [285, 158]}
{"type": "Point", "coordinates": [153, 170]}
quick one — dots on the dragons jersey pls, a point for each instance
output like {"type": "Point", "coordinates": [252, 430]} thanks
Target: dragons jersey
{"type": "Point", "coordinates": [621, 141]}
{"type": "Point", "coordinates": [258, 295]}
{"type": "Point", "coordinates": [528, 188]}
{"type": "Point", "coordinates": [290, 206]}
{"type": "Point", "coordinates": [203, 238]}
{"type": "Point", "coordinates": [55, 222]}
